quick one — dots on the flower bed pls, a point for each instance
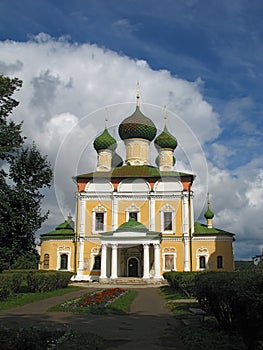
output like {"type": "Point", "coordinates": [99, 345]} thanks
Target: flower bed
{"type": "Point", "coordinates": [93, 302]}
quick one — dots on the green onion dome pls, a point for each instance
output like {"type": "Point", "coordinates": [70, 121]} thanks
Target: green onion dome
{"type": "Point", "coordinates": [209, 214]}
{"type": "Point", "coordinates": [105, 141]}
{"type": "Point", "coordinates": [165, 140]}
{"type": "Point", "coordinates": [116, 160]}
{"type": "Point", "coordinates": [137, 126]}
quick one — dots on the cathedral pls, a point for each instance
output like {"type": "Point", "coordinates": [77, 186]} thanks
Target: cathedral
{"type": "Point", "coordinates": [133, 219]}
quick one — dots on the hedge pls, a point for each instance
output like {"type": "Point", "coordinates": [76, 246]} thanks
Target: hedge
{"type": "Point", "coordinates": [182, 282]}
{"type": "Point", "coordinates": [45, 282]}
{"type": "Point", "coordinates": [35, 280]}
{"type": "Point", "coordinates": [236, 300]}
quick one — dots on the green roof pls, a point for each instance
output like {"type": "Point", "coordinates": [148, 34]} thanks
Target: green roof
{"type": "Point", "coordinates": [132, 225]}
{"type": "Point", "coordinates": [137, 126]}
{"type": "Point", "coordinates": [127, 171]}
{"type": "Point", "coordinates": [62, 231]}
{"type": "Point", "coordinates": [201, 229]}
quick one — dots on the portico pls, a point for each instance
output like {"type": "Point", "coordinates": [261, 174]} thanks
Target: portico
{"type": "Point", "coordinates": [130, 251]}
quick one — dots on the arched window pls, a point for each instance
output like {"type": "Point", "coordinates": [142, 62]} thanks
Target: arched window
{"type": "Point", "coordinates": [46, 261]}
{"type": "Point", "coordinates": [202, 262]}
{"type": "Point", "coordinates": [220, 262]}
{"type": "Point", "coordinates": [63, 261]}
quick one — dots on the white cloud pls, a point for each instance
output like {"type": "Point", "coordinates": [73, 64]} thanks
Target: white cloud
{"type": "Point", "coordinates": [66, 88]}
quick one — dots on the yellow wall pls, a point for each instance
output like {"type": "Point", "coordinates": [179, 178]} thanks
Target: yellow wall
{"type": "Point", "coordinates": [53, 248]}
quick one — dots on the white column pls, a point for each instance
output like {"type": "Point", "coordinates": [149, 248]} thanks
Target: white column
{"type": "Point", "coordinates": [82, 217]}
{"type": "Point", "coordinates": [81, 256]}
{"type": "Point", "coordinates": [114, 213]}
{"type": "Point", "coordinates": [146, 262]}
{"type": "Point", "coordinates": [192, 214]}
{"type": "Point", "coordinates": [185, 213]}
{"type": "Point", "coordinates": [186, 253]}
{"type": "Point", "coordinates": [114, 259]}
{"type": "Point", "coordinates": [186, 232]}
{"type": "Point", "coordinates": [152, 214]}
{"type": "Point", "coordinates": [103, 269]}
{"type": "Point", "coordinates": [157, 260]}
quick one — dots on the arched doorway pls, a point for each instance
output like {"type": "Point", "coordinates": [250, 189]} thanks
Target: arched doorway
{"type": "Point", "coordinates": [133, 267]}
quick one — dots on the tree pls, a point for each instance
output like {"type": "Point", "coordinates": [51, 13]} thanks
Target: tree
{"type": "Point", "coordinates": [24, 173]}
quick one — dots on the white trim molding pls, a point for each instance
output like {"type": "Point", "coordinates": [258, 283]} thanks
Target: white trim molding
{"type": "Point", "coordinates": [169, 259]}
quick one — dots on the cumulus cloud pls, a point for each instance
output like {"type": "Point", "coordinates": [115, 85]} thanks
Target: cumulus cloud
{"type": "Point", "coordinates": [69, 89]}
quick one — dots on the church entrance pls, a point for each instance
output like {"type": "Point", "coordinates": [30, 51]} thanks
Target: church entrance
{"type": "Point", "coordinates": [133, 267]}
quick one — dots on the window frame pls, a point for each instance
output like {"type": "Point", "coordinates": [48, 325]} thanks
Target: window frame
{"type": "Point", "coordinates": [220, 262]}
{"type": "Point", "coordinates": [99, 210]}
{"type": "Point", "coordinates": [46, 261]}
{"type": "Point", "coordinates": [167, 209]}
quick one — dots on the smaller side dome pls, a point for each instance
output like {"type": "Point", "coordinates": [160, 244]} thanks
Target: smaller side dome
{"type": "Point", "coordinates": [165, 140]}
{"type": "Point", "coordinates": [105, 141]}
{"type": "Point", "coordinates": [209, 214]}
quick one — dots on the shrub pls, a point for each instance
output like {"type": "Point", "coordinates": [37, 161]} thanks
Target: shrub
{"type": "Point", "coordinates": [10, 284]}
{"type": "Point", "coordinates": [236, 300]}
{"type": "Point", "coordinates": [183, 282]}
{"type": "Point", "coordinates": [45, 282]}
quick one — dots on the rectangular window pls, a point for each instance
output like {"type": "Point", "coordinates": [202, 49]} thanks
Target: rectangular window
{"type": "Point", "coordinates": [202, 262]}
{"type": "Point", "coordinates": [167, 221]}
{"type": "Point", "coordinates": [46, 261]}
{"type": "Point", "coordinates": [219, 262]}
{"type": "Point", "coordinates": [97, 262]}
{"type": "Point", "coordinates": [133, 214]}
{"type": "Point", "coordinates": [99, 222]}
{"type": "Point", "coordinates": [169, 262]}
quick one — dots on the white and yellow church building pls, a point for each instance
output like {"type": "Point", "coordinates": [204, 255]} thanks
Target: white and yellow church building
{"type": "Point", "coordinates": [134, 219]}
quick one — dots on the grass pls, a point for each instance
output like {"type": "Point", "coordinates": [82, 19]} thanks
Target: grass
{"type": "Point", "coordinates": [20, 299]}
{"type": "Point", "coordinates": [198, 335]}
{"type": "Point", "coordinates": [119, 306]}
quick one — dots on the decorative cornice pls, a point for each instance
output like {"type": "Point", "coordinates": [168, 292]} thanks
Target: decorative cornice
{"type": "Point", "coordinates": [172, 239]}
{"type": "Point", "coordinates": [213, 238]}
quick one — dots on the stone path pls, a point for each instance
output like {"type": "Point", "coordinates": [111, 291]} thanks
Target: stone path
{"type": "Point", "coordinates": [149, 325]}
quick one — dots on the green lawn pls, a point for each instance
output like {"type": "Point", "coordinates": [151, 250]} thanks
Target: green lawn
{"type": "Point", "coordinates": [26, 298]}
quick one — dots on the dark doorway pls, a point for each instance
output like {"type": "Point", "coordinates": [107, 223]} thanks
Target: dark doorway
{"type": "Point", "coordinates": [133, 267]}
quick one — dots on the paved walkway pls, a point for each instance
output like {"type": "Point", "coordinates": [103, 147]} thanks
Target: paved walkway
{"type": "Point", "coordinates": [149, 325]}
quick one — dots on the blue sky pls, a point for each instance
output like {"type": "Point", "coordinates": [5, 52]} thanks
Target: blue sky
{"type": "Point", "coordinates": [217, 45]}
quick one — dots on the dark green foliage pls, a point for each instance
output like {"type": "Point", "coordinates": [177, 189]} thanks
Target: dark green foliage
{"type": "Point", "coordinates": [244, 265]}
{"type": "Point", "coordinates": [24, 172]}
{"type": "Point", "coordinates": [27, 261]}
{"type": "Point", "coordinates": [236, 300]}
{"type": "Point", "coordinates": [182, 282]}
{"type": "Point", "coordinates": [47, 338]}
{"type": "Point", "coordinates": [10, 284]}
{"type": "Point", "coordinates": [44, 282]}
